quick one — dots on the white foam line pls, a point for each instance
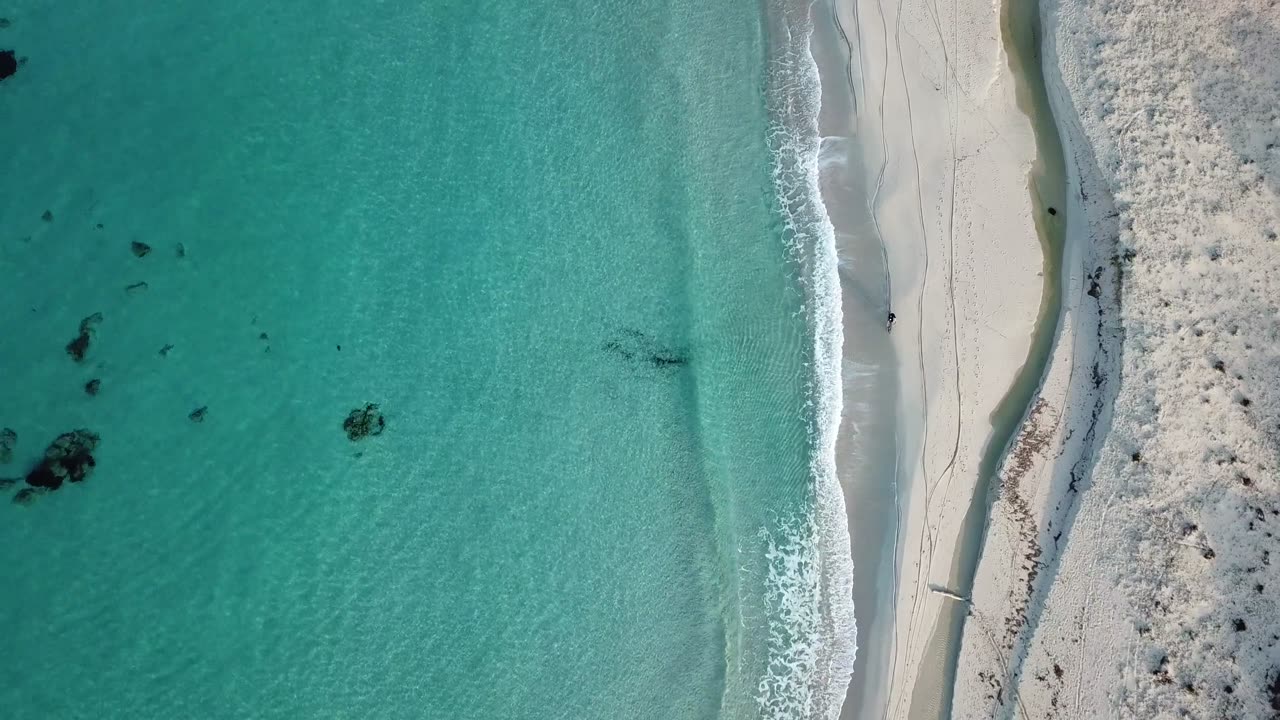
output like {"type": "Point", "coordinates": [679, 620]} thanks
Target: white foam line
{"type": "Point", "coordinates": [810, 568]}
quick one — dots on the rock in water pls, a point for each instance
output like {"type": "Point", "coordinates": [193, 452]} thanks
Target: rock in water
{"type": "Point", "coordinates": [93, 386]}
{"type": "Point", "coordinates": [198, 414]}
{"type": "Point", "coordinates": [8, 441]}
{"type": "Point", "coordinates": [68, 459]}
{"type": "Point", "coordinates": [364, 422]}
{"type": "Point", "coordinates": [8, 64]}
{"type": "Point", "coordinates": [139, 248]}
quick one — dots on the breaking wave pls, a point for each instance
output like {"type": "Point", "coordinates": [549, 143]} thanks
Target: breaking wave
{"type": "Point", "coordinates": [811, 629]}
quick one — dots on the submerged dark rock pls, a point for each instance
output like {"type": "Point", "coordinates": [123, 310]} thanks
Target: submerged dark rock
{"type": "Point", "coordinates": [80, 344]}
{"type": "Point", "coordinates": [180, 250]}
{"type": "Point", "coordinates": [68, 459]}
{"type": "Point", "coordinates": [139, 249]}
{"type": "Point", "coordinates": [8, 64]}
{"type": "Point", "coordinates": [364, 422]}
{"type": "Point", "coordinates": [92, 387]}
{"type": "Point", "coordinates": [47, 216]}
{"type": "Point", "coordinates": [198, 414]}
{"type": "Point", "coordinates": [136, 288]}
{"type": "Point", "coordinates": [8, 441]}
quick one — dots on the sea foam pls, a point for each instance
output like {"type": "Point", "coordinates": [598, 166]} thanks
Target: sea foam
{"type": "Point", "coordinates": [812, 635]}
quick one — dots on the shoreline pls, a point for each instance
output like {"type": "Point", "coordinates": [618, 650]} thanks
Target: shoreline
{"type": "Point", "coordinates": [865, 443]}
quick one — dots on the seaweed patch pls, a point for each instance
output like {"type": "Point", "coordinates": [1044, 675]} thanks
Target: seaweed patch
{"type": "Point", "coordinates": [640, 348]}
{"type": "Point", "coordinates": [364, 422]}
{"type": "Point", "coordinates": [68, 459]}
{"type": "Point", "coordinates": [79, 345]}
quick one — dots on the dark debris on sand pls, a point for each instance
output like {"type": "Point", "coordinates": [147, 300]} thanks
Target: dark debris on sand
{"type": "Point", "coordinates": [68, 459]}
{"type": "Point", "coordinates": [364, 422]}
{"type": "Point", "coordinates": [80, 344]}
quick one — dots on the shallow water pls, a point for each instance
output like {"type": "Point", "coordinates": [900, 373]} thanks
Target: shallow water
{"type": "Point", "coordinates": [544, 238]}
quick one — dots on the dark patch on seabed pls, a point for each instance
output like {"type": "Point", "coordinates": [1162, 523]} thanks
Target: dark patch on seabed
{"type": "Point", "coordinates": [641, 349]}
{"type": "Point", "coordinates": [8, 64]}
{"type": "Point", "coordinates": [69, 458]}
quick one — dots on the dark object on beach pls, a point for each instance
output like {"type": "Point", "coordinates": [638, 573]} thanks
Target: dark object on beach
{"type": "Point", "coordinates": [637, 347]}
{"type": "Point", "coordinates": [198, 414]}
{"type": "Point", "coordinates": [139, 248]}
{"type": "Point", "coordinates": [28, 495]}
{"type": "Point", "coordinates": [136, 288]}
{"type": "Point", "coordinates": [80, 344]}
{"type": "Point", "coordinates": [364, 422]}
{"type": "Point", "coordinates": [8, 64]}
{"type": "Point", "coordinates": [68, 459]}
{"type": "Point", "coordinates": [47, 216]}
{"type": "Point", "coordinates": [1053, 211]}
{"type": "Point", "coordinates": [91, 388]}
{"type": "Point", "coordinates": [8, 441]}
{"type": "Point", "coordinates": [164, 351]}
{"type": "Point", "coordinates": [888, 323]}
{"type": "Point", "coordinates": [180, 250]}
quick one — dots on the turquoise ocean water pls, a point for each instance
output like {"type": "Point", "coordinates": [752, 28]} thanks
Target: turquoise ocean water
{"type": "Point", "coordinates": [570, 249]}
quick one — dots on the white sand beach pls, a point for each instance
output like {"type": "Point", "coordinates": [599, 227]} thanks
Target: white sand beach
{"type": "Point", "coordinates": [941, 151]}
